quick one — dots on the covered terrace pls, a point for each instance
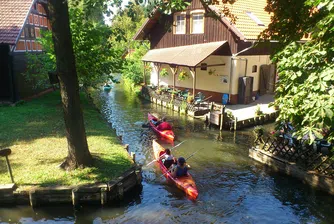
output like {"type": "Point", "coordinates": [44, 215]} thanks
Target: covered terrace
{"type": "Point", "coordinates": [190, 57]}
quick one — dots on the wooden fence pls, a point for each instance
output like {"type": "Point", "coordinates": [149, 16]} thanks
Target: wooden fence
{"type": "Point", "coordinates": [308, 157]}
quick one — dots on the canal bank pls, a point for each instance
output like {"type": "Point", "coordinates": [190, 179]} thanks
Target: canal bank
{"type": "Point", "coordinates": [34, 168]}
{"type": "Point", "coordinates": [232, 187]}
{"type": "Point", "coordinates": [228, 117]}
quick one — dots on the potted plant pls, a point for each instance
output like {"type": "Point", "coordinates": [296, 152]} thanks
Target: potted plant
{"type": "Point", "coordinates": [158, 91]}
{"type": "Point", "coordinates": [190, 98]}
{"type": "Point", "coordinates": [258, 110]}
{"type": "Point", "coordinates": [258, 132]}
{"type": "Point", "coordinates": [212, 71]}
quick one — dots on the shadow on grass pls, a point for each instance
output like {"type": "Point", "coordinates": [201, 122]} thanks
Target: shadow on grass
{"type": "Point", "coordinates": [43, 118]}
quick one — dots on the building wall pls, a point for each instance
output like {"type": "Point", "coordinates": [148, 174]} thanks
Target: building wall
{"type": "Point", "coordinates": [162, 36]}
{"type": "Point", "coordinates": [219, 79]}
{"type": "Point", "coordinates": [35, 23]}
{"type": "Point", "coordinates": [23, 88]}
{"type": "Point", "coordinates": [238, 70]}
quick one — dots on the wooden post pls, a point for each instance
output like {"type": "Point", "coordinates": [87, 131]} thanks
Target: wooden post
{"type": "Point", "coordinates": [133, 156]}
{"type": "Point", "coordinates": [193, 73]}
{"type": "Point", "coordinates": [235, 123]}
{"type": "Point", "coordinates": [145, 63]}
{"type": "Point", "coordinates": [104, 198]}
{"type": "Point", "coordinates": [75, 198]}
{"type": "Point", "coordinates": [120, 189]}
{"type": "Point", "coordinates": [174, 71]}
{"type": "Point", "coordinates": [6, 153]}
{"type": "Point", "coordinates": [158, 68]}
{"type": "Point", "coordinates": [222, 117]}
{"type": "Point", "coordinates": [32, 199]}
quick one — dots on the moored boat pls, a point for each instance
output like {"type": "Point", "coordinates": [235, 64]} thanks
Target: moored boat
{"type": "Point", "coordinates": [168, 134]}
{"type": "Point", "coordinates": [185, 183]}
{"type": "Point", "coordinates": [107, 87]}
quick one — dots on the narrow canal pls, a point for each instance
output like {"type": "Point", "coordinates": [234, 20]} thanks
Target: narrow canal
{"type": "Point", "coordinates": [232, 187]}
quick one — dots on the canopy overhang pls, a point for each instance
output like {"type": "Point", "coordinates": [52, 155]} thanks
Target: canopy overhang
{"type": "Point", "coordinates": [187, 56]}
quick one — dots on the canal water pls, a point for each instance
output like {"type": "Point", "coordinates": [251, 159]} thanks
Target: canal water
{"type": "Point", "coordinates": [232, 187]}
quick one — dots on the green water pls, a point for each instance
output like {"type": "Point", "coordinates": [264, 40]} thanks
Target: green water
{"type": "Point", "coordinates": [232, 187]}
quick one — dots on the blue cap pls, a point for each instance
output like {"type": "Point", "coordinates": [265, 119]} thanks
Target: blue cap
{"type": "Point", "coordinates": [181, 160]}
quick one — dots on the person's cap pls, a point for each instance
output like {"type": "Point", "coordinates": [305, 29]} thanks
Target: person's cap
{"type": "Point", "coordinates": [181, 160]}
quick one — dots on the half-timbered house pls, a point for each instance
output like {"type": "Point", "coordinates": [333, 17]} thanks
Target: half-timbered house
{"type": "Point", "coordinates": [21, 22]}
{"type": "Point", "coordinates": [222, 59]}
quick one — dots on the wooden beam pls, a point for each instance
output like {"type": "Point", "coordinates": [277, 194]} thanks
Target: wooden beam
{"type": "Point", "coordinates": [174, 71]}
{"type": "Point", "coordinates": [215, 65]}
{"type": "Point", "coordinates": [144, 73]}
{"type": "Point", "coordinates": [157, 66]}
{"type": "Point", "coordinates": [193, 73]}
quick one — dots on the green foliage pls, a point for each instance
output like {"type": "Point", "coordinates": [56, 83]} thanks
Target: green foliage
{"type": "Point", "coordinates": [95, 57]}
{"type": "Point", "coordinates": [258, 110]}
{"type": "Point", "coordinates": [39, 64]}
{"type": "Point", "coordinates": [133, 67]}
{"type": "Point", "coordinates": [183, 75]}
{"type": "Point", "coordinates": [163, 72]}
{"type": "Point", "coordinates": [305, 93]}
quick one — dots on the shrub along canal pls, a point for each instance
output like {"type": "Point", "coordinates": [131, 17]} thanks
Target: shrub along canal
{"type": "Point", "coordinates": [232, 187]}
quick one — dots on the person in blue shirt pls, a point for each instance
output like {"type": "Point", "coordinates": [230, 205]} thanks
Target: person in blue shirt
{"type": "Point", "coordinates": [181, 169]}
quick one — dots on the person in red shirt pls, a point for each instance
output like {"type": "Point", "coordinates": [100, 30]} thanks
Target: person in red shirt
{"type": "Point", "coordinates": [164, 125]}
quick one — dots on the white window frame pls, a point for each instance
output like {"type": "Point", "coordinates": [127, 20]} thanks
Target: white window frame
{"type": "Point", "coordinates": [196, 12]}
{"type": "Point", "coordinates": [176, 15]}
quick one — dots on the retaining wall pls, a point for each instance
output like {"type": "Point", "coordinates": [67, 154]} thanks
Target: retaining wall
{"type": "Point", "coordinates": [312, 178]}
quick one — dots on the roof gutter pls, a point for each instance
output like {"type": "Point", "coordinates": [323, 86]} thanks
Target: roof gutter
{"type": "Point", "coordinates": [246, 49]}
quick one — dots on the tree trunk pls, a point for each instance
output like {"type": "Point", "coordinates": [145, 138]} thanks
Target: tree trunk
{"type": "Point", "coordinates": [78, 153]}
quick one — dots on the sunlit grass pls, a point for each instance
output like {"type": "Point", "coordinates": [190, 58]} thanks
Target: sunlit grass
{"type": "Point", "coordinates": [35, 133]}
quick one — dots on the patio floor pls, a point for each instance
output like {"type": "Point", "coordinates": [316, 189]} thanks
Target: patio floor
{"type": "Point", "coordinates": [246, 111]}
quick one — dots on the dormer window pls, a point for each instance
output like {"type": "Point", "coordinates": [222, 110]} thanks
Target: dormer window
{"type": "Point", "coordinates": [197, 25]}
{"type": "Point", "coordinates": [180, 23]}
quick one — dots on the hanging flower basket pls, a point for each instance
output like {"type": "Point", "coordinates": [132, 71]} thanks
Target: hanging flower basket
{"type": "Point", "coordinates": [163, 72]}
{"type": "Point", "coordinates": [183, 75]}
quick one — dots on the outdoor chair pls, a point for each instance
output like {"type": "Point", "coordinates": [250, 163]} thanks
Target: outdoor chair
{"type": "Point", "coordinates": [184, 94]}
{"type": "Point", "coordinates": [199, 98]}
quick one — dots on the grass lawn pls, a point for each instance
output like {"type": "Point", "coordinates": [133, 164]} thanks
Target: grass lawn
{"type": "Point", "coordinates": [35, 133]}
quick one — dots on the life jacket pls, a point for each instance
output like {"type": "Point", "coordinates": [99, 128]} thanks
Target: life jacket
{"type": "Point", "coordinates": [168, 157]}
{"type": "Point", "coordinates": [181, 171]}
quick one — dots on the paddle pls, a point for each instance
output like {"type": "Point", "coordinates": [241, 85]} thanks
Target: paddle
{"type": "Point", "coordinates": [185, 159]}
{"type": "Point", "coordinates": [165, 153]}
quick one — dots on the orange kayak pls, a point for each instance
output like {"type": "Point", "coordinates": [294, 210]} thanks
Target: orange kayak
{"type": "Point", "coordinates": [185, 183]}
{"type": "Point", "coordinates": [168, 134]}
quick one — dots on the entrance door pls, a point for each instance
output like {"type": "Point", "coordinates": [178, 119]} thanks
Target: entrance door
{"type": "Point", "coordinates": [5, 78]}
{"type": "Point", "coordinates": [267, 79]}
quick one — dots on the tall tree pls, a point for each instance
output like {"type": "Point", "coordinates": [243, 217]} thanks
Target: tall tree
{"type": "Point", "coordinates": [305, 91]}
{"type": "Point", "coordinates": [78, 153]}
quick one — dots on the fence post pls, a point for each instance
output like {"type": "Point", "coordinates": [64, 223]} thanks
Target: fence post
{"type": "Point", "coordinates": [222, 117]}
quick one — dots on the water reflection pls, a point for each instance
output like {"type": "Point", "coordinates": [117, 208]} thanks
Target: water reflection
{"type": "Point", "coordinates": [232, 187]}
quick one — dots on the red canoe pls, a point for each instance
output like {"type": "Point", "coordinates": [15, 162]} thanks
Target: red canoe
{"type": "Point", "coordinates": [185, 183]}
{"type": "Point", "coordinates": [168, 134]}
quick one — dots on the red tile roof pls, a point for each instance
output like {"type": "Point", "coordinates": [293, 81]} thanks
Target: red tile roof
{"type": "Point", "coordinates": [12, 17]}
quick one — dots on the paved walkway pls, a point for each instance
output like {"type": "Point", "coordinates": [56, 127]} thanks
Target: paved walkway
{"type": "Point", "coordinates": [246, 111]}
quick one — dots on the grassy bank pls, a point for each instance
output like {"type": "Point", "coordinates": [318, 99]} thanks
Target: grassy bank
{"type": "Point", "coordinates": [36, 134]}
